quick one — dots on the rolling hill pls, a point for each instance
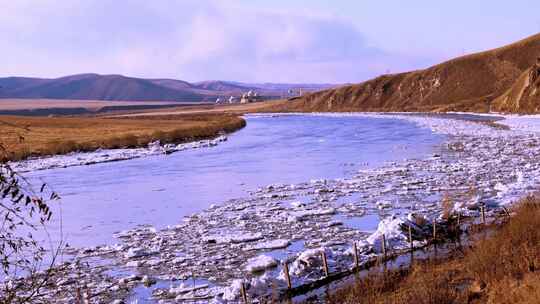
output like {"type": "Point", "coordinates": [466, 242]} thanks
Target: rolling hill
{"type": "Point", "coordinates": [503, 79]}
{"type": "Point", "coordinates": [94, 87]}
{"type": "Point", "coordinates": [222, 86]}
{"type": "Point", "coordinates": [122, 88]}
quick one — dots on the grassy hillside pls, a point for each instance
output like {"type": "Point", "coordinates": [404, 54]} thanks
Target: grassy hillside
{"type": "Point", "coordinates": [468, 83]}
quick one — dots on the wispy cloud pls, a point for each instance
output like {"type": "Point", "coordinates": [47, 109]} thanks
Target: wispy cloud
{"type": "Point", "coordinates": [193, 40]}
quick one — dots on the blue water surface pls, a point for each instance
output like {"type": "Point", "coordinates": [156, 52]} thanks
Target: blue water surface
{"type": "Point", "coordinates": [98, 200]}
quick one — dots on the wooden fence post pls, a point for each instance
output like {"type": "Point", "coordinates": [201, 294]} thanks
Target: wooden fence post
{"type": "Point", "coordinates": [244, 293]}
{"type": "Point", "coordinates": [356, 263]}
{"type": "Point", "coordinates": [483, 212]}
{"type": "Point", "coordinates": [410, 238]}
{"type": "Point", "coordinates": [287, 276]}
{"type": "Point", "coordinates": [384, 246]}
{"type": "Point", "coordinates": [325, 263]}
{"type": "Point", "coordinates": [434, 230]}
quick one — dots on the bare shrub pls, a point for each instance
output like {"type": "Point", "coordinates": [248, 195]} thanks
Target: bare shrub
{"type": "Point", "coordinates": [23, 211]}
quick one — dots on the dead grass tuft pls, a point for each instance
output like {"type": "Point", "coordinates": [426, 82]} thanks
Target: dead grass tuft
{"type": "Point", "coordinates": [513, 250]}
{"type": "Point", "coordinates": [447, 207]}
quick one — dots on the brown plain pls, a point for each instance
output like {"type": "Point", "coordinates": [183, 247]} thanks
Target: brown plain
{"type": "Point", "coordinates": [30, 104]}
{"type": "Point", "coordinates": [236, 109]}
{"type": "Point", "coordinates": [22, 137]}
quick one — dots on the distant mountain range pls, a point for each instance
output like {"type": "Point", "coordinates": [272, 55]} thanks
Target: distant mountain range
{"type": "Point", "coordinates": [122, 88]}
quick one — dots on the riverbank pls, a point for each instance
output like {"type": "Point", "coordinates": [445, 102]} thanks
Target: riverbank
{"type": "Point", "coordinates": [26, 137]}
{"type": "Point", "coordinates": [499, 266]}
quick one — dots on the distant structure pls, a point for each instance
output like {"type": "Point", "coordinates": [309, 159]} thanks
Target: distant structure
{"type": "Point", "coordinates": [244, 98]}
{"type": "Point", "coordinates": [232, 99]}
{"type": "Point", "coordinates": [248, 97]}
{"type": "Point", "coordinates": [295, 92]}
{"type": "Point", "coordinates": [218, 100]}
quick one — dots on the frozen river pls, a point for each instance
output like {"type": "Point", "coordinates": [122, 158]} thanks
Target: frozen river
{"type": "Point", "coordinates": [284, 190]}
{"type": "Point", "coordinates": [101, 199]}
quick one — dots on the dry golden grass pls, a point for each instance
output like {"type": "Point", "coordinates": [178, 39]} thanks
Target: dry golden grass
{"type": "Point", "coordinates": [36, 136]}
{"type": "Point", "coordinates": [512, 251]}
{"type": "Point", "coordinates": [501, 268]}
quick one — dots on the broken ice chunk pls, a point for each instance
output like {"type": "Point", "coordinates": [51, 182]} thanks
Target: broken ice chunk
{"type": "Point", "coordinates": [274, 244]}
{"type": "Point", "coordinates": [260, 263]}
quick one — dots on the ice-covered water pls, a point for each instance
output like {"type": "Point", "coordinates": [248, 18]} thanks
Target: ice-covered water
{"type": "Point", "coordinates": [159, 190]}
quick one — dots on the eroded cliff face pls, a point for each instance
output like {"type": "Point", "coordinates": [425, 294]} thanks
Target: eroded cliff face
{"type": "Point", "coordinates": [524, 95]}
{"type": "Point", "coordinates": [470, 83]}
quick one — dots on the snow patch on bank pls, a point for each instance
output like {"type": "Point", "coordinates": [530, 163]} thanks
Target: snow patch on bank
{"type": "Point", "coordinates": [108, 155]}
{"type": "Point", "coordinates": [525, 123]}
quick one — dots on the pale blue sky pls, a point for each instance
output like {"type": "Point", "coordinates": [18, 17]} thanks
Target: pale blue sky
{"type": "Point", "coordinates": [252, 40]}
